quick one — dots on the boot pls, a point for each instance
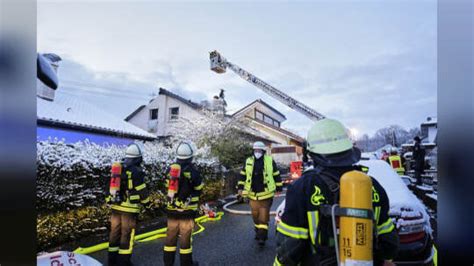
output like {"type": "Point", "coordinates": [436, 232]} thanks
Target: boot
{"type": "Point", "coordinates": [124, 260]}
{"type": "Point", "coordinates": [112, 258]}
{"type": "Point", "coordinates": [186, 259]}
{"type": "Point", "coordinates": [168, 258]}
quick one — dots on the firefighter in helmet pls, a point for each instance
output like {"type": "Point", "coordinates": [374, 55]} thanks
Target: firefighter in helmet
{"type": "Point", "coordinates": [259, 180]}
{"type": "Point", "coordinates": [125, 205]}
{"type": "Point", "coordinates": [395, 161]}
{"type": "Point", "coordinates": [305, 233]}
{"type": "Point", "coordinates": [184, 188]}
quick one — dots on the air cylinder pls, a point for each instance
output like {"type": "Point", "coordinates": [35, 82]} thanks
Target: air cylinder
{"type": "Point", "coordinates": [355, 224]}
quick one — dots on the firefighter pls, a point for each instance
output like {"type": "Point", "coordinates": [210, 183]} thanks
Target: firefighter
{"type": "Point", "coordinates": [125, 208]}
{"type": "Point", "coordinates": [395, 161]}
{"type": "Point", "coordinates": [419, 158]}
{"type": "Point", "coordinates": [259, 180]}
{"type": "Point", "coordinates": [184, 185]}
{"type": "Point", "coordinates": [304, 234]}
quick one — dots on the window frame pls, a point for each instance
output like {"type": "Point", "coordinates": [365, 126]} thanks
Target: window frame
{"type": "Point", "coordinates": [151, 114]}
{"type": "Point", "coordinates": [265, 116]}
{"type": "Point", "coordinates": [171, 116]}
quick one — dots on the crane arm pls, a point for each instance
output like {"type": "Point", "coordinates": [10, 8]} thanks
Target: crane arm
{"type": "Point", "coordinates": [219, 65]}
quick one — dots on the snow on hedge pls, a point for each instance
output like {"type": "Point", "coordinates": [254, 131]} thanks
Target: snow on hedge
{"type": "Point", "coordinates": [74, 175]}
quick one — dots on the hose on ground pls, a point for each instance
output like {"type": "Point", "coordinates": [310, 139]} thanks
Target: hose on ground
{"type": "Point", "coordinates": [152, 235]}
{"type": "Point", "coordinates": [242, 212]}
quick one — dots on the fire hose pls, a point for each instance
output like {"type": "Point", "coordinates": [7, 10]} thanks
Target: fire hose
{"type": "Point", "coordinates": [242, 212]}
{"type": "Point", "coordinates": [152, 235]}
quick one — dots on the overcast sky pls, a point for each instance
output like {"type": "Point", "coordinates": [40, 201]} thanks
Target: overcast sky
{"type": "Point", "coordinates": [369, 64]}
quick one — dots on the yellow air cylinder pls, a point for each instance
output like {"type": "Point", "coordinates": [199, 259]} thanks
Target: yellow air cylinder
{"type": "Point", "coordinates": [355, 226]}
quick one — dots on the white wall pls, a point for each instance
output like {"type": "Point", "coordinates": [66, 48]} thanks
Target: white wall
{"type": "Point", "coordinates": [163, 103]}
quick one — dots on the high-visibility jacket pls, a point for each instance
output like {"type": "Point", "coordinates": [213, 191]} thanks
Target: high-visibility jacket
{"type": "Point", "coordinates": [396, 163]}
{"type": "Point", "coordinates": [135, 193]}
{"type": "Point", "coordinates": [271, 179]}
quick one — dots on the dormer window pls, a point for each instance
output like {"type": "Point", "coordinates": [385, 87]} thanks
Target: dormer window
{"type": "Point", "coordinates": [154, 114]}
{"type": "Point", "coordinates": [266, 119]}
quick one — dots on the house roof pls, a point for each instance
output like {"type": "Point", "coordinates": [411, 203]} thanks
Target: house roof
{"type": "Point", "coordinates": [432, 121]}
{"type": "Point", "coordinates": [66, 111]}
{"type": "Point", "coordinates": [261, 102]}
{"type": "Point", "coordinates": [281, 130]}
{"type": "Point", "coordinates": [134, 112]}
{"type": "Point", "coordinates": [179, 98]}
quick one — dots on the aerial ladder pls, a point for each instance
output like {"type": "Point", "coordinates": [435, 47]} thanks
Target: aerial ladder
{"type": "Point", "coordinates": [219, 65]}
{"type": "Point", "coordinates": [352, 253]}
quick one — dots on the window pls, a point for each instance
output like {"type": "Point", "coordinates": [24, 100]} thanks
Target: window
{"type": "Point", "coordinates": [268, 120]}
{"type": "Point", "coordinates": [265, 118]}
{"type": "Point", "coordinates": [154, 114]}
{"type": "Point", "coordinates": [174, 113]}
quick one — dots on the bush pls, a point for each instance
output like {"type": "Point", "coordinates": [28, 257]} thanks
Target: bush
{"type": "Point", "coordinates": [231, 148]}
{"type": "Point", "coordinates": [71, 187]}
{"type": "Point", "coordinates": [71, 176]}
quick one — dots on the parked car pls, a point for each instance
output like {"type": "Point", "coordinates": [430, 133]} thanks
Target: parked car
{"type": "Point", "coordinates": [407, 212]}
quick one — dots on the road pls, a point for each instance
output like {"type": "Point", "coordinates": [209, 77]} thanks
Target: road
{"type": "Point", "coordinates": [229, 241]}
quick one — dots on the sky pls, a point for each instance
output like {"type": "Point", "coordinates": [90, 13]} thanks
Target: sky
{"type": "Point", "coordinates": [369, 64]}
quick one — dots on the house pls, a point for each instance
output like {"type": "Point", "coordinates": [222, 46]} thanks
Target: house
{"type": "Point", "coordinates": [161, 113]}
{"type": "Point", "coordinates": [267, 120]}
{"type": "Point", "coordinates": [63, 117]}
{"type": "Point", "coordinates": [429, 134]}
{"type": "Point", "coordinates": [74, 120]}
{"type": "Point", "coordinates": [429, 131]}
{"type": "Point", "coordinates": [284, 145]}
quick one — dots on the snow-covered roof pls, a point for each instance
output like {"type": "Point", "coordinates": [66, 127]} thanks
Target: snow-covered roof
{"type": "Point", "coordinates": [179, 98]}
{"type": "Point", "coordinates": [68, 111]}
{"type": "Point", "coordinates": [432, 121]}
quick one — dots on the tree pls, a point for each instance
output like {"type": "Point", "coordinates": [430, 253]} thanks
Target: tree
{"type": "Point", "coordinates": [222, 136]}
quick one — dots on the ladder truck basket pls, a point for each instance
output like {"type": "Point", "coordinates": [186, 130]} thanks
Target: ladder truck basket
{"type": "Point", "coordinates": [217, 63]}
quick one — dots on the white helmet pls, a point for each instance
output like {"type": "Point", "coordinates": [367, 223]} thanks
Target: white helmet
{"type": "Point", "coordinates": [185, 150]}
{"type": "Point", "coordinates": [133, 151]}
{"type": "Point", "coordinates": [258, 145]}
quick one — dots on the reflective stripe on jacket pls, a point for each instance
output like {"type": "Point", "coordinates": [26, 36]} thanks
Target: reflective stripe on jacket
{"type": "Point", "coordinates": [396, 163]}
{"type": "Point", "coordinates": [268, 179]}
{"type": "Point", "coordinates": [135, 193]}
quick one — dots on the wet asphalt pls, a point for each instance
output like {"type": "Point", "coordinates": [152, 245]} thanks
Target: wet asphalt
{"type": "Point", "coordinates": [229, 241]}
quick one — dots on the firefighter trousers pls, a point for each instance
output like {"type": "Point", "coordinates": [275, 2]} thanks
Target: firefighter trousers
{"type": "Point", "coordinates": [182, 229]}
{"type": "Point", "coordinates": [122, 232]}
{"type": "Point", "coordinates": [261, 216]}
